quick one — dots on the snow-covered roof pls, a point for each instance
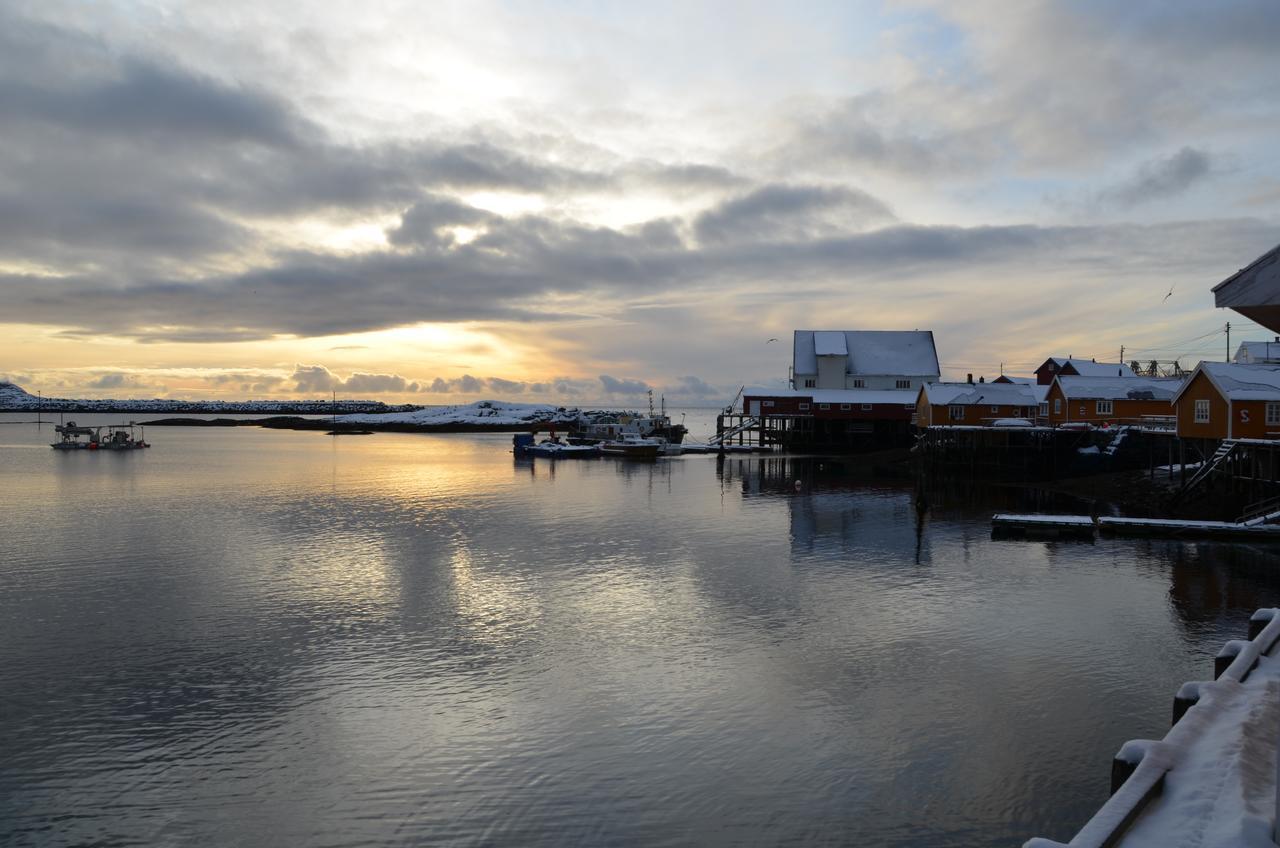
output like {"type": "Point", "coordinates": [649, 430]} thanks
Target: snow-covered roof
{"type": "Point", "coordinates": [1241, 382]}
{"type": "Point", "coordinates": [1255, 284]}
{"type": "Point", "coordinates": [1089, 368]}
{"type": "Point", "coordinates": [1120, 388]}
{"type": "Point", "coordinates": [969, 394]}
{"type": "Point", "coordinates": [829, 343]}
{"type": "Point", "coordinates": [1249, 352]}
{"type": "Point", "coordinates": [868, 352]}
{"type": "Point", "coordinates": [902, 397]}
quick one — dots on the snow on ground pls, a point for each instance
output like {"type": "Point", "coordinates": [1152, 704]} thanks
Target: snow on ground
{"type": "Point", "coordinates": [490, 412]}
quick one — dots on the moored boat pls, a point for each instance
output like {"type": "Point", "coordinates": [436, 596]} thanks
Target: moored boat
{"type": "Point", "coordinates": [118, 437]}
{"type": "Point", "coordinates": [632, 446]}
{"type": "Point", "coordinates": [553, 448]}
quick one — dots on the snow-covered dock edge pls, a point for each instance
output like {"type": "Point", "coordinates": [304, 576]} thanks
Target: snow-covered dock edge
{"type": "Point", "coordinates": [1209, 730]}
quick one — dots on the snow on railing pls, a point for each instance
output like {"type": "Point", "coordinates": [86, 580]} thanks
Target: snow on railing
{"type": "Point", "coordinates": [1148, 762]}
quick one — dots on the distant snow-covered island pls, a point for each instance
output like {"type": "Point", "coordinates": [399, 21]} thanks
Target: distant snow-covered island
{"type": "Point", "coordinates": [484, 415]}
{"type": "Point", "coordinates": [14, 398]}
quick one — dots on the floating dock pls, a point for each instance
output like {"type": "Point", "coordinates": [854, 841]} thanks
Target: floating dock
{"type": "Point", "coordinates": [1080, 526]}
{"type": "Point", "coordinates": [1010, 524]}
{"type": "Point", "coordinates": [1115, 526]}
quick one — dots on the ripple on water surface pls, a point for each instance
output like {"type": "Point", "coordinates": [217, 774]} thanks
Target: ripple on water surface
{"type": "Point", "coordinates": [259, 637]}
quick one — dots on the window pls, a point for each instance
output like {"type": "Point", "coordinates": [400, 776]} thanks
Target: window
{"type": "Point", "coordinates": [995, 408]}
{"type": "Point", "coordinates": [1202, 412]}
{"type": "Point", "coordinates": [804, 407]}
{"type": "Point", "coordinates": [859, 384]}
{"type": "Point", "coordinates": [824, 406]}
{"type": "Point", "coordinates": [810, 382]}
{"type": "Point", "coordinates": [866, 407]}
{"type": "Point", "coordinates": [1044, 407]}
{"type": "Point", "coordinates": [844, 407]}
{"type": "Point", "coordinates": [1104, 407]}
{"type": "Point", "coordinates": [956, 413]}
{"type": "Point", "coordinates": [904, 384]}
{"type": "Point", "coordinates": [1273, 413]}
{"type": "Point", "coordinates": [768, 403]}
{"type": "Point", "coordinates": [1057, 406]}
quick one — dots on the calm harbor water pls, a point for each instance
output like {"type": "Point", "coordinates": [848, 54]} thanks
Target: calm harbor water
{"type": "Point", "coordinates": [251, 637]}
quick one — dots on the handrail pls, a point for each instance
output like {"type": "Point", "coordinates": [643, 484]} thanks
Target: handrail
{"type": "Point", "coordinates": [1156, 759]}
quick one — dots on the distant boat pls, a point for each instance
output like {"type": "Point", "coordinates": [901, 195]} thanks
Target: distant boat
{"type": "Point", "coordinates": [118, 437]}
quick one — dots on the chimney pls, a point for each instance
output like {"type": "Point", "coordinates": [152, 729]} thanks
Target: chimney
{"type": "Point", "coordinates": [971, 379]}
{"type": "Point", "coordinates": [982, 379]}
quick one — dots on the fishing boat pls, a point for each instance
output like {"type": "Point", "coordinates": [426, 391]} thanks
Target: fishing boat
{"type": "Point", "coordinates": [656, 425]}
{"type": "Point", "coordinates": [553, 448]}
{"type": "Point", "coordinates": [117, 437]}
{"type": "Point", "coordinates": [632, 446]}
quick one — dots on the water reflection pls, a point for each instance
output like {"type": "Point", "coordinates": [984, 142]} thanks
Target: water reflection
{"type": "Point", "coordinates": [255, 636]}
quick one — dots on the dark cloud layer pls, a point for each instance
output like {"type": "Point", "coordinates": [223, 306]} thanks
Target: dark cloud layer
{"type": "Point", "coordinates": [1161, 178]}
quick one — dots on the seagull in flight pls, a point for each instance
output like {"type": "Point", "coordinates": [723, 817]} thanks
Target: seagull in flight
{"type": "Point", "coordinates": [771, 340]}
{"type": "Point", "coordinates": [1170, 294]}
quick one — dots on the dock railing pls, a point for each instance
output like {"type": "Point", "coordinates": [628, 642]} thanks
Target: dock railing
{"type": "Point", "coordinates": [1141, 765]}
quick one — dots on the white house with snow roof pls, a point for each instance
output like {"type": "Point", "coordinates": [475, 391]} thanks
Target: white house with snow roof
{"type": "Point", "coordinates": [863, 359]}
{"type": "Point", "coordinates": [1258, 353]}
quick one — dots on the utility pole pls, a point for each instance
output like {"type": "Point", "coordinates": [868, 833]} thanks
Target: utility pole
{"type": "Point", "coordinates": [1228, 359]}
{"type": "Point", "coordinates": [1122, 354]}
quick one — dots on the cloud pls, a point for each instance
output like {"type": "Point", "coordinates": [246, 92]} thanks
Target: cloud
{"type": "Point", "coordinates": [1161, 178]}
{"type": "Point", "coordinates": [466, 384]}
{"type": "Point", "coordinates": [378, 383]}
{"type": "Point", "coordinates": [310, 379]}
{"type": "Point", "coordinates": [424, 222]}
{"type": "Point", "coordinates": [692, 387]}
{"type": "Point", "coordinates": [506, 387]}
{"type": "Point", "coordinates": [789, 213]}
{"type": "Point", "coordinates": [622, 386]}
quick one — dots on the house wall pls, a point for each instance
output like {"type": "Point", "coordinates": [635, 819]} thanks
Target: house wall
{"type": "Point", "coordinates": [924, 412]}
{"type": "Point", "coordinates": [976, 414]}
{"type": "Point", "coordinates": [770, 405]}
{"type": "Point", "coordinates": [1201, 389]}
{"type": "Point", "coordinates": [831, 372]}
{"type": "Point", "coordinates": [878, 411]}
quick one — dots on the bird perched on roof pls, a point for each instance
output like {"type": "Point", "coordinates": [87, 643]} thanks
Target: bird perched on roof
{"type": "Point", "coordinates": [1170, 294]}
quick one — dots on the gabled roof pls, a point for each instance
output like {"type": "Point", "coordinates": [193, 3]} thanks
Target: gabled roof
{"type": "Point", "coordinates": [1239, 382]}
{"type": "Point", "coordinates": [1119, 388]}
{"type": "Point", "coordinates": [968, 394]}
{"type": "Point", "coordinates": [868, 352]}
{"type": "Point", "coordinates": [1255, 284]}
{"type": "Point", "coordinates": [1089, 368]}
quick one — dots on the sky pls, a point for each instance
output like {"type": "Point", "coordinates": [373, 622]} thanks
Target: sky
{"type": "Point", "coordinates": [577, 202]}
